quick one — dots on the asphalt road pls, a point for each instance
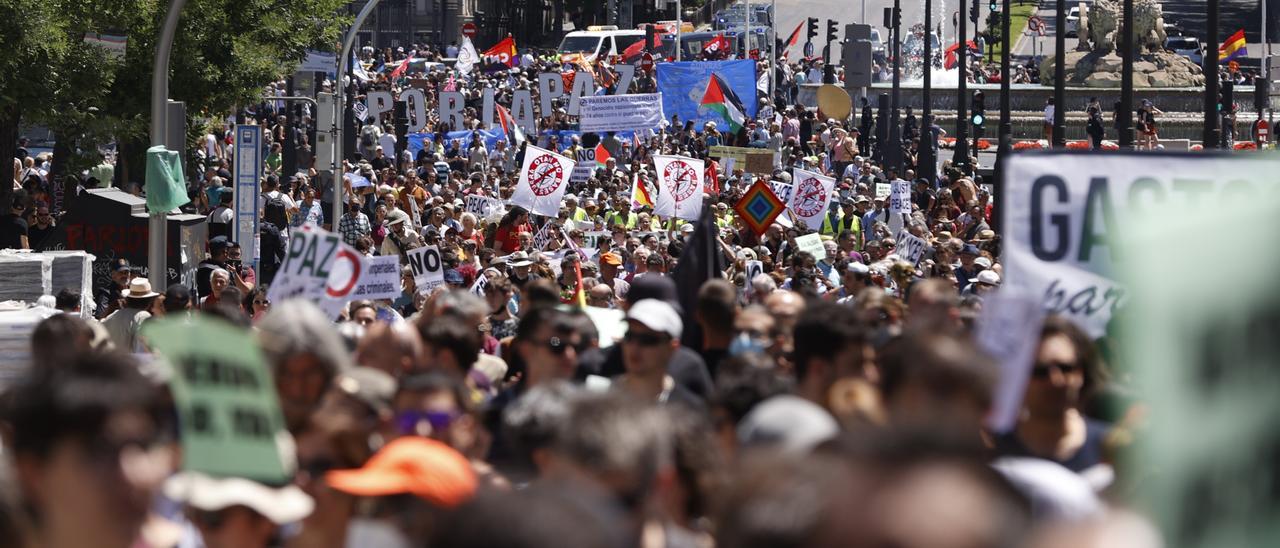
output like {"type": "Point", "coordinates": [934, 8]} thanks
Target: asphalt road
{"type": "Point", "coordinates": [790, 13]}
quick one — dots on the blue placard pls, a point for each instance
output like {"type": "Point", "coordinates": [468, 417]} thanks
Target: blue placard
{"type": "Point", "coordinates": [248, 174]}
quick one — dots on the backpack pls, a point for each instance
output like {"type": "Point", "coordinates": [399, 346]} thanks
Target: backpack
{"type": "Point", "coordinates": [367, 138]}
{"type": "Point", "coordinates": [274, 210]}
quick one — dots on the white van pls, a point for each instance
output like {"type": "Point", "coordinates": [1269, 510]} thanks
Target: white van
{"type": "Point", "coordinates": [596, 41]}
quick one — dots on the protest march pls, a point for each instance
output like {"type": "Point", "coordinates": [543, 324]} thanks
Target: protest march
{"type": "Point", "coordinates": [661, 293]}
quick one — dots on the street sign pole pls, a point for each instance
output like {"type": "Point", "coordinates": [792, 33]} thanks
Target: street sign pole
{"type": "Point", "coordinates": [928, 165]}
{"type": "Point", "coordinates": [339, 100]}
{"type": "Point", "coordinates": [158, 221]}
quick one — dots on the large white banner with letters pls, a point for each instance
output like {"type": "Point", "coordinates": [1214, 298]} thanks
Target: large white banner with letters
{"type": "Point", "coordinates": [1062, 210]}
{"type": "Point", "coordinates": [621, 112]}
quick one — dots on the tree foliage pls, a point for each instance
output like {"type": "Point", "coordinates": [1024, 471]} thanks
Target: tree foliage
{"type": "Point", "coordinates": [225, 52]}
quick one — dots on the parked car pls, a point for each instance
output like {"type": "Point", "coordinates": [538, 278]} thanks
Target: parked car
{"type": "Point", "coordinates": [1186, 46]}
{"type": "Point", "coordinates": [1173, 29]}
{"type": "Point", "coordinates": [1073, 22]}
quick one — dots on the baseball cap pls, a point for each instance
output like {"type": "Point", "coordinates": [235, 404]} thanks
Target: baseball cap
{"type": "Point", "coordinates": [453, 277]}
{"type": "Point", "coordinates": [412, 465]}
{"type": "Point", "coordinates": [611, 258]}
{"type": "Point", "coordinates": [859, 268]}
{"type": "Point", "coordinates": [982, 262]}
{"type": "Point", "coordinates": [789, 423]}
{"type": "Point", "coordinates": [658, 316]}
{"type": "Point", "coordinates": [969, 249]}
{"type": "Point", "coordinates": [988, 277]}
{"type": "Point", "coordinates": [218, 243]}
{"type": "Point", "coordinates": [120, 265]}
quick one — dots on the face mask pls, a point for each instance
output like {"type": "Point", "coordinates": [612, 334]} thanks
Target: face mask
{"type": "Point", "coordinates": [743, 343]}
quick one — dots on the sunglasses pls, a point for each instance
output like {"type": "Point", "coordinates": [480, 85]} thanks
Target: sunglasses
{"type": "Point", "coordinates": [559, 346]}
{"type": "Point", "coordinates": [1041, 370]}
{"type": "Point", "coordinates": [644, 339]}
{"type": "Point", "coordinates": [408, 421]}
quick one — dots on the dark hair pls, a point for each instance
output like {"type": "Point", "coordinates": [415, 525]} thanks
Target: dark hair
{"type": "Point", "coordinates": [717, 304]}
{"type": "Point", "coordinates": [67, 300]}
{"type": "Point", "coordinates": [1090, 360]}
{"type": "Point", "coordinates": [559, 321]}
{"type": "Point", "coordinates": [611, 435]}
{"type": "Point", "coordinates": [437, 381]}
{"type": "Point", "coordinates": [177, 298]}
{"type": "Point", "coordinates": [460, 338]}
{"type": "Point", "coordinates": [58, 339]}
{"type": "Point", "coordinates": [74, 402]}
{"type": "Point", "coordinates": [943, 364]}
{"type": "Point", "coordinates": [824, 329]}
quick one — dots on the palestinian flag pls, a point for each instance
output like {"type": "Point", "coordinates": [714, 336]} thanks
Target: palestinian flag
{"type": "Point", "coordinates": [795, 35]}
{"type": "Point", "coordinates": [720, 98]}
{"type": "Point", "coordinates": [509, 126]}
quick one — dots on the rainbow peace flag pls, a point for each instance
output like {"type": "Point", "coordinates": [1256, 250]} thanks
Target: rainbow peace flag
{"type": "Point", "coordinates": [759, 207]}
{"type": "Point", "coordinates": [1233, 48]}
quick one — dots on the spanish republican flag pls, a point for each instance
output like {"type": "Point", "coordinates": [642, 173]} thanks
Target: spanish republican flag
{"type": "Point", "coordinates": [1233, 48]}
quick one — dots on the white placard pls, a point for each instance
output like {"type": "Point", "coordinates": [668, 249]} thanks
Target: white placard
{"type": "Point", "coordinates": [810, 196]}
{"type": "Point", "coordinates": [900, 197]}
{"type": "Point", "coordinates": [1061, 210]}
{"type": "Point", "coordinates": [680, 187]}
{"type": "Point", "coordinates": [911, 248]}
{"type": "Point", "coordinates": [620, 112]}
{"type": "Point", "coordinates": [428, 269]}
{"type": "Point", "coordinates": [543, 180]}
{"type": "Point", "coordinates": [379, 279]}
{"type": "Point", "coordinates": [812, 243]}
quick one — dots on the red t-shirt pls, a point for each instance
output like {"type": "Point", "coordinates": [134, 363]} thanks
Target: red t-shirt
{"type": "Point", "coordinates": [510, 237]}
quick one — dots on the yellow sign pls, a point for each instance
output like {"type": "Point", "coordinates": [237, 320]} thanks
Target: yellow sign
{"type": "Point", "coordinates": [834, 102]}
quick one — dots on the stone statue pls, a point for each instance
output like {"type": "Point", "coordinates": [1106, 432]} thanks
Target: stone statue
{"type": "Point", "coordinates": [1096, 62]}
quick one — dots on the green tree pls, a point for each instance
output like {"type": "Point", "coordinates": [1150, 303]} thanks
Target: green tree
{"type": "Point", "coordinates": [225, 52]}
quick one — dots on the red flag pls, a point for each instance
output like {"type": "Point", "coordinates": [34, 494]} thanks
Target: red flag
{"type": "Point", "coordinates": [634, 51]}
{"type": "Point", "coordinates": [509, 126]}
{"type": "Point", "coordinates": [501, 56]}
{"type": "Point", "coordinates": [602, 155]}
{"type": "Point", "coordinates": [400, 70]}
{"type": "Point", "coordinates": [716, 46]}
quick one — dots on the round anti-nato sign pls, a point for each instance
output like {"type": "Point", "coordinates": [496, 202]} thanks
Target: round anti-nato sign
{"type": "Point", "coordinates": [809, 198]}
{"type": "Point", "coordinates": [545, 175]}
{"type": "Point", "coordinates": [682, 178]}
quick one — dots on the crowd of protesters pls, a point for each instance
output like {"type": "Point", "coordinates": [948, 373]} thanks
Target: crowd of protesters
{"type": "Point", "coordinates": [834, 400]}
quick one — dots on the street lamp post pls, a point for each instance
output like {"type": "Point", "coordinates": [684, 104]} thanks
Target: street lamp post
{"type": "Point", "coordinates": [927, 165]}
{"type": "Point", "coordinates": [1211, 116]}
{"type": "Point", "coordinates": [158, 233]}
{"type": "Point", "coordinates": [1060, 74]}
{"type": "Point", "coordinates": [1126, 78]}
{"type": "Point", "coordinates": [339, 100]}
{"type": "Point", "coordinates": [962, 91]}
{"type": "Point", "coordinates": [1006, 122]}
{"type": "Point", "coordinates": [895, 131]}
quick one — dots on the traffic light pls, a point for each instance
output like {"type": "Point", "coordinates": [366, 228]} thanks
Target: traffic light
{"type": "Point", "coordinates": [994, 5]}
{"type": "Point", "coordinates": [1225, 98]}
{"type": "Point", "coordinates": [973, 12]}
{"type": "Point", "coordinates": [1260, 92]}
{"type": "Point", "coordinates": [833, 28]}
{"type": "Point", "coordinates": [811, 28]}
{"type": "Point", "coordinates": [979, 110]}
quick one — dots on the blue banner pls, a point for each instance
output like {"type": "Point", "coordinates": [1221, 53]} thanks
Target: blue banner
{"type": "Point", "coordinates": [683, 83]}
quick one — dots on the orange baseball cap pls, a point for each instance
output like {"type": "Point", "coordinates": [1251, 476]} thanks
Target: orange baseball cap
{"type": "Point", "coordinates": [611, 258]}
{"type": "Point", "coordinates": [414, 465]}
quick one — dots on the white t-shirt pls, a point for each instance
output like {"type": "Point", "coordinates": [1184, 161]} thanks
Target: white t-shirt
{"type": "Point", "coordinates": [289, 204]}
{"type": "Point", "coordinates": [388, 144]}
{"type": "Point", "coordinates": [1048, 114]}
{"type": "Point", "coordinates": [210, 146]}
